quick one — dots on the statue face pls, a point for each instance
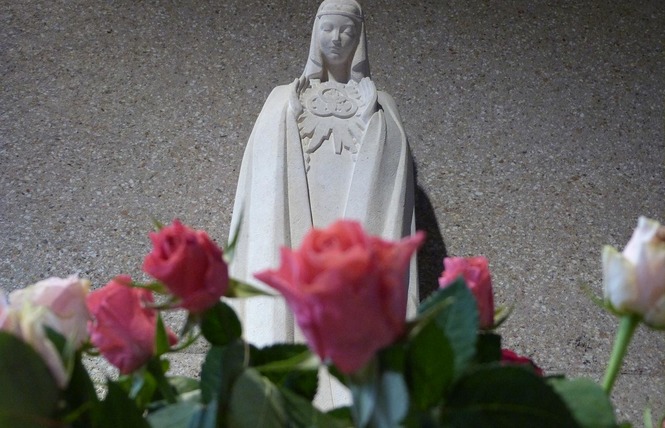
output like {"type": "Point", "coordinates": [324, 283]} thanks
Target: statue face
{"type": "Point", "coordinates": [338, 38]}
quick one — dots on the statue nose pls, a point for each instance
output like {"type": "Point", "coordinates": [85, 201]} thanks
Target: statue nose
{"type": "Point", "coordinates": [337, 39]}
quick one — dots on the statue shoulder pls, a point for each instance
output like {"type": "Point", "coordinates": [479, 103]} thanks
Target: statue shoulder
{"type": "Point", "coordinates": [388, 105]}
{"type": "Point", "coordinates": [277, 101]}
{"type": "Point", "coordinates": [280, 92]}
{"type": "Point", "coordinates": [386, 101]}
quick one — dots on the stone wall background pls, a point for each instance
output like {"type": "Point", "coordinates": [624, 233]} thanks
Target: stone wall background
{"type": "Point", "coordinates": [536, 128]}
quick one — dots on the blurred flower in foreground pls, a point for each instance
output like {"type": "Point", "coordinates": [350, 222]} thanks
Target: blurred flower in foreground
{"type": "Point", "coordinates": [348, 291]}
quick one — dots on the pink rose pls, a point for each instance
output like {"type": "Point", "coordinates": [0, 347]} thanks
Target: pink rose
{"type": "Point", "coordinates": [476, 274]}
{"type": "Point", "coordinates": [509, 357]}
{"type": "Point", "coordinates": [123, 326]}
{"type": "Point", "coordinates": [348, 291]}
{"type": "Point", "coordinates": [189, 264]}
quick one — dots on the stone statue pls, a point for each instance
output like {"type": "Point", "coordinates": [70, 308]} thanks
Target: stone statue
{"type": "Point", "coordinates": [327, 146]}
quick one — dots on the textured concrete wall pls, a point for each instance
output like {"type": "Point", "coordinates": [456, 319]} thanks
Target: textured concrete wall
{"type": "Point", "coordinates": [537, 131]}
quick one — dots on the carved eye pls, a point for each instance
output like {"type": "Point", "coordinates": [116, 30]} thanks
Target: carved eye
{"type": "Point", "coordinates": [350, 31]}
{"type": "Point", "coordinates": [327, 27]}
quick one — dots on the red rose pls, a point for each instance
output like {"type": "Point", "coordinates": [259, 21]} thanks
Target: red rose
{"type": "Point", "coordinates": [189, 264]}
{"type": "Point", "coordinates": [476, 274]}
{"type": "Point", "coordinates": [509, 357]}
{"type": "Point", "coordinates": [348, 291]}
{"type": "Point", "coordinates": [123, 327]}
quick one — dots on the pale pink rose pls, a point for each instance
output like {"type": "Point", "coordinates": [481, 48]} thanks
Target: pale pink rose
{"type": "Point", "coordinates": [634, 280]}
{"type": "Point", "coordinates": [65, 298]}
{"type": "Point", "coordinates": [26, 321]}
{"type": "Point", "coordinates": [476, 274]}
{"type": "Point", "coordinates": [509, 357]}
{"type": "Point", "coordinates": [189, 264]}
{"type": "Point", "coordinates": [123, 326]}
{"type": "Point", "coordinates": [30, 327]}
{"type": "Point", "coordinates": [348, 291]}
{"type": "Point", "coordinates": [4, 312]}
{"type": "Point", "coordinates": [56, 303]}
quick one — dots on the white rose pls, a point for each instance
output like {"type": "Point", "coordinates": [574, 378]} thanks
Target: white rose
{"type": "Point", "coordinates": [634, 280]}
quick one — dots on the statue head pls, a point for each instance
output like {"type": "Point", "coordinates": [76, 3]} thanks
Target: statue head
{"type": "Point", "coordinates": [338, 40]}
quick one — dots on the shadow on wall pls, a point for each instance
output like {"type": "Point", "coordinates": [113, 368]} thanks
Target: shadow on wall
{"type": "Point", "coordinates": [431, 254]}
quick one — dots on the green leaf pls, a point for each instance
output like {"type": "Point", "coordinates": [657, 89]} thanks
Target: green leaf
{"type": "Point", "coordinates": [430, 366]}
{"type": "Point", "coordinates": [156, 224]}
{"type": "Point", "coordinates": [458, 321]}
{"type": "Point", "coordinates": [161, 337]}
{"type": "Point", "coordinates": [220, 325]}
{"type": "Point", "coordinates": [392, 402]}
{"type": "Point", "coordinates": [220, 369]}
{"type": "Point", "coordinates": [156, 287]}
{"type": "Point", "coordinates": [290, 366]}
{"type": "Point", "coordinates": [501, 314]}
{"type": "Point", "coordinates": [503, 396]}
{"type": "Point", "coordinates": [118, 410]}
{"type": "Point", "coordinates": [301, 413]}
{"type": "Point", "coordinates": [284, 355]}
{"type": "Point", "coordinates": [242, 289]}
{"type": "Point", "coordinates": [416, 419]}
{"type": "Point", "coordinates": [158, 368]}
{"type": "Point", "coordinates": [28, 392]}
{"type": "Point", "coordinates": [206, 416]}
{"type": "Point", "coordinates": [587, 402]}
{"type": "Point", "coordinates": [230, 250]}
{"type": "Point", "coordinates": [488, 348]}
{"type": "Point", "coordinates": [380, 397]}
{"type": "Point", "coordinates": [393, 357]}
{"type": "Point", "coordinates": [364, 386]}
{"type": "Point", "coordinates": [393, 397]}
{"type": "Point", "coordinates": [183, 384]}
{"type": "Point", "coordinates": [255, 402]}
{"type": "Point", "coordinates": [80, 397]}
{"type": "Point", "coordinates": [176, 415]}
{"type": "Point", "coordinates": [143, 388]}
{"type": "Point", "coordinates": [57, 339]}
{"type": "Point", "coordinates": [342, 413]}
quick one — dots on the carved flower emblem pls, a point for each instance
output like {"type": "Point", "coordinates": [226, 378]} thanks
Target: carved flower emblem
{"type": "Point", "coordinates": [331, 112]}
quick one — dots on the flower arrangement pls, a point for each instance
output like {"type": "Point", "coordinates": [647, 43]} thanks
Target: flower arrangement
{"type": "Point", "coordinates": [445, 367]}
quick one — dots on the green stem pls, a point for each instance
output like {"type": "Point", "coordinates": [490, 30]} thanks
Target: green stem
{"type": "Point", "coordinates": [363, 384]}
{"type": "Point", "coordinates": [155, 368]}
{"type": "Point", "coordinates": [626, 329]}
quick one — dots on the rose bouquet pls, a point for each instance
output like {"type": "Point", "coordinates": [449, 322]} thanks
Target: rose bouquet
{"type": "Point", "coordinates": [445, 367]}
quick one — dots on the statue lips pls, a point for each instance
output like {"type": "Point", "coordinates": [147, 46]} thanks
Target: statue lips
{"type": "Point", "coordinates": [334, 50]}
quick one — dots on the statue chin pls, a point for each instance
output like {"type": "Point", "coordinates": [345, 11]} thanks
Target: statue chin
{"type": "Point", "coordinates": [320, 150]}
